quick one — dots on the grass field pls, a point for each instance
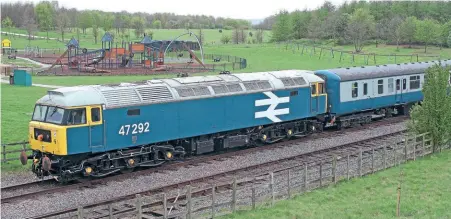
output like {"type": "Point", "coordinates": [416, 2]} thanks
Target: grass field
{"type": "Point", "coordinates": [425, 193]}
{"type": "Point", "coordinates": [17, 108]}
{"type": "Point", "coordinates": [18, 62]}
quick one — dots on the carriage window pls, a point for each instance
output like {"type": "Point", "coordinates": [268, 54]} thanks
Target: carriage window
{"type": "Point", "coordinates": [391, 87]}
{"type": "Point", "coordinates": [365, 89]}
{"type": "Point", "coordinates": [398, 84]}
{"type": "Point", "coordinates": [294, 93]}
{"type": "Point", "coordinates": [95, 114]}
{"type": "Point", "coordinates": [404, 84]}
{"type": "Point", "coordinates": [321, 88]}
{"type": "Point", "coordinates": [380, 86]}
{"type": "Point", "coordinates": [355, 89]}
{"type": "Point", "coordinates": [314, 89]}
{"type": "Point", "coordinates": [414, 82]}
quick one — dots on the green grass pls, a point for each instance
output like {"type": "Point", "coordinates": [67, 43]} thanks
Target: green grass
{"type": "Point", "coordinates": [425, 193]}
{"type": "Point", "coordinates": [17, 108]}
{"type": "Point", "coordinates": [18, 62]}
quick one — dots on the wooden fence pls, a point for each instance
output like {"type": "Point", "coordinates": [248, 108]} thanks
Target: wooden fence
{"type": "Point", "coordinates": [251, 192]}
{"type": "Point", "coordinates": [343, 56]}
{"type": "Point", "coordinates": [5, 152]}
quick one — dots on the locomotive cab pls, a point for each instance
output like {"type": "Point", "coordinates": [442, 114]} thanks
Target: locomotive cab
{"type": "Point", "coordinates": [53, 128]}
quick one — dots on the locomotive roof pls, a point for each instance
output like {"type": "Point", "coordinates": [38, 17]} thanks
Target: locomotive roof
{"type": "Point", "coordinates": [381, 71]}
{"type": "Point", "coordinates": [173, 89]}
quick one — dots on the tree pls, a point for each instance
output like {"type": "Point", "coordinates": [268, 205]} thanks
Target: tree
{"type": "Point", "coordinates": [427, 32]}
{"type": "Point", "coordinates": [360, 28]}
{"type": "Point", "coordinates": [407, 30]}
{"type": "Point", "coordinates": [7, 23]}
{"type": "Point", "coordinates": [95, 33]}
{"type": "Point", "coordinates": [201, 36]}
{"type": "Point", "coordinates": [108, 21]}
{"type": "Point", "coordinates": [86, 21]}
{"type": "Point", "coordinates": [281, 28]}
{"type": "Point", "coordinates": [236, 36]}
{"type": "Point", "coordinates": [433, 114]}
{"type": "Point", "coordinates": [444, 33]}
{"type": "Point", "coordinates": [225, 39]}
{"type": "Point", "coordinates": [44, 15]}
{"type": "Point", "coordinates": [62, 22]}
{"type": "Point", "coordinates": [138, 23]}
{"type": "Point", "coordinates": [259, 36]}
{"type": "Point", "coordinates": [449, 39]}
{"type": "Point", "coordinates": [394, 30]}
{"type": "Point", "coordinates": [29, 24]}
{"type": "Point", "coordinates": [314, 28]}
{"type": "Point", "coordinates": [156, 24]}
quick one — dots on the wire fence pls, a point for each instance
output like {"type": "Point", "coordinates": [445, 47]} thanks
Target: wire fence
{"type": "Point", "coordinates": [330, 54]}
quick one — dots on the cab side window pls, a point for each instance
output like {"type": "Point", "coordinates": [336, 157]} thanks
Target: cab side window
{"type": "Point", "coordinates": [321, 88]}
{"type": "Point", "coordinates": [76, 117]}
{"type": "Point", "coordinates": [95, 114]}
{"type": "Point", "coordinates": [313, 89]}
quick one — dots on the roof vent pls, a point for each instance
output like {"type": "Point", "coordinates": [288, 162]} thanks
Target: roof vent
{"type": "Point", "coordinates": [385, 65]}
{"type": "Point", "coordinates": [377, 65]}
{"type": "Point", "coordinates": [362, 66]}
{"type": "Point", "coordinates": [347, 68]}
{"type": "Point", "coordinates": [426, 62]}
{"type": "Point", "coordinates": [405, 63]}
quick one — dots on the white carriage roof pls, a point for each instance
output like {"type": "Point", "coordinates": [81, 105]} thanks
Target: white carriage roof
{"type": "Point", "coordinates": [174, 89]}
{"type": "Point", "coordinates": [380, 71]}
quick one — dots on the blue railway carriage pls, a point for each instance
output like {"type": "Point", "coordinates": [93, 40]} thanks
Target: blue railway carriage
{"type": "Point", "coordinates": [357, 95]}
{"type": "Point", "coordinates": [101, 129]}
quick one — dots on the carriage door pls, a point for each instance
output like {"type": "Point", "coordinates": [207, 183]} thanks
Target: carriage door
{"type": "Point", "coordinates": [314, 98]}
{"type": "Point", "coordinates": [96, 127]}
{"type": "Point", "coordinates": [398, 91]}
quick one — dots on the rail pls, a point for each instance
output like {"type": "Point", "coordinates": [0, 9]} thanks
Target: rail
{"type": "Point", "coordinates": [5, 152]}
{"type": "Point", "coordinates": [223, 197]}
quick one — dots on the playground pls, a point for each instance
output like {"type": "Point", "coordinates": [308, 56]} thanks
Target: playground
{"type": "Point", "coordinates": [144, 57]}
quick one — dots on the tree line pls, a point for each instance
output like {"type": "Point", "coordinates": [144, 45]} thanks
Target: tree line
{"type": "Point", "coordinates": [359, 23]}
{"type": "Point", "coordinates": [49, 16]}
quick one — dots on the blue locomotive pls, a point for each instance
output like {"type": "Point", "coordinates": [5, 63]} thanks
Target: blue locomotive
{"type": "Point", "coordinates": [97, 130]}
{"type": "Point", "coordinates": [102, 129]}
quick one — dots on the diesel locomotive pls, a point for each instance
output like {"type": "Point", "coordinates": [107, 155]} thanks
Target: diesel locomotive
{"type": "Point", "coordinates": [97, 130]}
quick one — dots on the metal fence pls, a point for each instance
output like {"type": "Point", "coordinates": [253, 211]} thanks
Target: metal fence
{"type": "Point", "coordinates": [251, 192]}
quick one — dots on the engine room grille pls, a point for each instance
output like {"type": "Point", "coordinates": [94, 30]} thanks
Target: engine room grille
{"type": "Point", "coordinates": [290, 82]}
{"type": "Point", "coordinates": [156, 93]}
{"type": "Point", "coordinates": [118, 97]}
{"type": "Point", "coordinates": [220, 89]}
{"type": "Point", "coordinates": [234, 88]}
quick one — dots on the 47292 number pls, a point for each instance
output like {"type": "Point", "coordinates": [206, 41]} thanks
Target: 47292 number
{"type": "Point", "coordinates": [134, 128]}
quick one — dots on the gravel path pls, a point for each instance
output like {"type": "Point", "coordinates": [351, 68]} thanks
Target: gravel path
{"type": "Point", "coordinates": [59, 201]}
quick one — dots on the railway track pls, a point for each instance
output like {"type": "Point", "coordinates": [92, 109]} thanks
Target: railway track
{"type": "Point", "coordinates": [222, 180]}
{"type": "Point", "coordinates": [49, 186]}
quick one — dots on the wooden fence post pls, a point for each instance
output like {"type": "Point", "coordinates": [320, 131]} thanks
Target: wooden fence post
{"type": "Point", "coordinates": [341, 54]}
{"type": "Point", "coordinates": [372, 160]}
{"type": "Point", "coordinates": [321, 174]}
{"type": "Point", "coordinates": [305, 177]}
{"type": "Point", "coordinates": [165, 206]}
{"type": "Point", "coordinates": [213, 200]}
{"type": "Point", "coordinates": [405, 150]}
{"type": "Point", "coordinates": [347, 167]}
{"type": "Point", "coordinates": [334, 169]}
{"type": "Point", "coordinates": [289, 183]}
{"type": "Point", "coordinates": [385, 157]}
{"type": "Point", "coordinates": [188, 204]}
{"type": "Point", "coordinates": [234, 195]}
{"type": "Point", "coordinates": [110, 211]}
{"type": "Point", "coordinates": [253, 196]}
{"type": "Point", "coordinates": [360, 162]}
{"type": "Point", "coordinates": [80, 213]}
{"type": "Point", "coordinates": [139, 206]}
{"type": "Point", "coordinates": [396, 156]}
{"type": "Point", "coordinates": [415, 148]}
{"type": "Point", "coordinates": [4, 153]}
{"type": "Point", "coordinates": [320, 53]}
{"type": "Point", "coordinates": [423, 143]}
{"type": "Point", "coordinates": [272, 188]}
